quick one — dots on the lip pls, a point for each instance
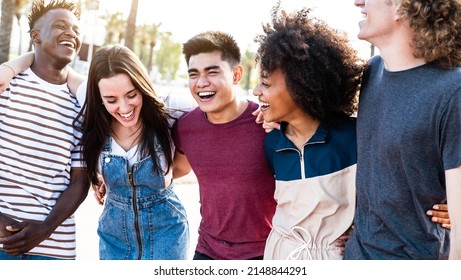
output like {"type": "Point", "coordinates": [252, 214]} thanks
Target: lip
{"type": "Point", "coordinates": [263, 105]}
{"type": "Point", "coordinates": [205, 96]}
{"type": "Point", "coordinates": [70, 44]}
{"type": "Point", "coordinates": [128, 116]}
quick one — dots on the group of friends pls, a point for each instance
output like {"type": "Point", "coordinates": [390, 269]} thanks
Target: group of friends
{"type": "Point", "coordinates": [314, 171]}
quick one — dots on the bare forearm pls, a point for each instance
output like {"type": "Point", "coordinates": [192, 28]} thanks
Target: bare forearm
{"type": "Point", "coordinates": [181, 166]}
{"type": "Point", "coordinates": [21, 62]}
{"type": "Point", "coordinates": [69, 201]}
{"type": "Point", "coordinates": [74, 79]}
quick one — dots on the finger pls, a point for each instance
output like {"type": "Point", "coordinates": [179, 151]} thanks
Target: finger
{"type": "Point", "coordinates": [440, 207]}
{"type": "Point", "coordinates": [447, 226]}
{"type": "Point", "coordinates": [260, 118]}
{"type": "Point", "coordinates": [438, 214]}
{"type": "Point", "coordinates": [440, 220]}
{"type": "Point", "coordinates": [443, 221]}
{"type": "Point", "coordinates": [344, 237]}
{"type": "Point", "coordinates": [15, 227]}
{"type": "Point", "coordinates": [98, 198]}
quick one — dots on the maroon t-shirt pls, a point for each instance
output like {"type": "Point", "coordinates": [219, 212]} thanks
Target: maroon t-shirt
{"type": "Point", "coordinates": [236, 184]}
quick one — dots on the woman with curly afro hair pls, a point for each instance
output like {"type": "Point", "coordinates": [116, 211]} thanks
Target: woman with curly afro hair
{"type": "Point", "coordinates": [309, 80]}
{"type": "Point", "coordinates": [408, 131]}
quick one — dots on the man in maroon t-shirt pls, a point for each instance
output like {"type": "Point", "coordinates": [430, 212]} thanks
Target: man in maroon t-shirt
{"type": "Point", "coordinates": [224, 146]}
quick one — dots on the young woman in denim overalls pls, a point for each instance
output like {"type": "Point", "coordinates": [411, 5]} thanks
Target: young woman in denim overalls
{"type": "Point", "coordinates": [127, 140]}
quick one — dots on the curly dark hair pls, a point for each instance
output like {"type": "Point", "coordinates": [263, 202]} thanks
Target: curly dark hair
{"type": "Point", "coordinates": [210, 41]}
{"type": "Point", "coordinates": [39, 9]}
{"type": "Point", "coordinates": [436, 26]}
{"type": "Point", "coordinates": [322, 71]}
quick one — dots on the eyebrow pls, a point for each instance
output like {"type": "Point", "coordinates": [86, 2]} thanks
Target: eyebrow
{"type": "Point", "coordinates": [66, 22]}
{"type": "Point", "coordinates": [128, 92]}
{"type": "Point", "coordinates": [213, 67]}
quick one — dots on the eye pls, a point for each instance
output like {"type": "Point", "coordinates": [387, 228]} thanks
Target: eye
{"type": "Point", "coordinates": [111, 101]}
{"type": "Point", "coordinates": [60, 26]}
{"type": "Point", "coordinates": [132, 95]}
{"type": "Point", "coordinates": [192, 75]}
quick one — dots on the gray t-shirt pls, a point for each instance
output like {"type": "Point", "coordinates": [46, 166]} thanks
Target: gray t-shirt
{"type": "Point", "coordinates": [408, 134]}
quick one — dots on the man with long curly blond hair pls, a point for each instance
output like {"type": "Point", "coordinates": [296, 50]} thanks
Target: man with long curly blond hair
{"type": "Point", "coordinates": [408, 131]}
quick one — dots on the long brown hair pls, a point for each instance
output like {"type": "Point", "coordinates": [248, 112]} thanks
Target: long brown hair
{"type": "Point", "coordinates": [107, 62]}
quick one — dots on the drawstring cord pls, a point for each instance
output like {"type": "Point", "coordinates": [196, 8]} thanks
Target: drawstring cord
{"type": "Point", "coordinates": [295, 254]}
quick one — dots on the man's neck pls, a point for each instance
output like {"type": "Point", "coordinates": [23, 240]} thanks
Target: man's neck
{"type": "Point", "coordinates": [399, 60]}
{"type": "Point", "coordinates": [231, 112]}
{"type": "Point", "coordinates": [49, 72]}
{"type": "Point", "coordinates": [397, 51]}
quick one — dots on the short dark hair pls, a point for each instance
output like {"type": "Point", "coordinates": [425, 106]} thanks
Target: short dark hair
{"type": "Point", "coordinates": [211, 41]}
{"type": "Point", "coordinates": [39, 9]}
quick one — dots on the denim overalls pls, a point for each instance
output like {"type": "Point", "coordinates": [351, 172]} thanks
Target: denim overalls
{"type": "Point", "coordinates": [142, 219]}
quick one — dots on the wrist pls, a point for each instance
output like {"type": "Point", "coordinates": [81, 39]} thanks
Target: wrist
{"type": "Point", "coordinates": [8, 66]}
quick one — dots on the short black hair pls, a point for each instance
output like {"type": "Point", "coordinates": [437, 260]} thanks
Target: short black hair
{"type": "Point", "coordinates": [211, 41]}
{"type": "Point", "coordinates": [39, 9]}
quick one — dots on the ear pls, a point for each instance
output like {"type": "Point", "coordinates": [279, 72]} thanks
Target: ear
{"type": "Point", "coordinates": [35, 36]}
{"type": "Point", "coordinates": [397, 15]}
{"type": "Point", "coordinates": [238, 74]}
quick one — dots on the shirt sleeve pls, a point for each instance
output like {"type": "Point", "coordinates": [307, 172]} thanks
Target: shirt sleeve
{"type": "Point", "coordinates": [76, 154]}
{"type": "Point", "coordinates": [176, 138]}
{"type": "Point", "coordinates": [450, 129]}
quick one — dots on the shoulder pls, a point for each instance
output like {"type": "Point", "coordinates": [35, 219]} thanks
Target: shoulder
{"type": "Point", "coordinates": [343, 137]}
{"type": "Point", "coordinates": [190, 118]}
{"type": "Point", "coordinates": [346, 128]}
{"type": "Point", "coordinates": [273, 137]}
{"type": "Point", "coordinates": [81, 92]}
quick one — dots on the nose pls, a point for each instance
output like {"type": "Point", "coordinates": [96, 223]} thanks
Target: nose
{"type": "Point", "coordinates": [71, 32]}
{"type": "Point", "coordinates": [202, 81]}
{"type": "Point", "coordinates": [257, 91]}
{"type": "Point", "coordinates": [359, 3]}
{"type": "Point", "coordinates": [124, 107]}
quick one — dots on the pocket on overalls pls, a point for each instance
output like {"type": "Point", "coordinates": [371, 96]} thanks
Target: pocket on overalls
{"type": "Point", "coordinates": [112, 231]}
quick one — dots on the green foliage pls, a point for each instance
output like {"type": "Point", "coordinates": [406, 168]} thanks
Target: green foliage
{"type": "Point", "coordinates": [249, 79]}
{"type": "Point", "coordinates": [168, 57]}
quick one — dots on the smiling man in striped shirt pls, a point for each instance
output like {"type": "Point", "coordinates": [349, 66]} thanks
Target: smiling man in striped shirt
{"type": "Point", "coordinates": [41, 175]}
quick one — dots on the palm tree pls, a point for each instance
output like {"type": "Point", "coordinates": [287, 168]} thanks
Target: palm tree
{"type": "Point", "coordinates": [131, 25]}
{"type": "Point", "coordinates": [146, 36]}
{"type": "Point", "coordinates": [248, 62]}
{"type": "Point", "coordinates": [153, 33]}
{"type": "Point", "coordinates": [6, 26]}
{"type": "Point", "coordinates": [142, 37]}
{"type": "Point", "coordinates": [115, 24]}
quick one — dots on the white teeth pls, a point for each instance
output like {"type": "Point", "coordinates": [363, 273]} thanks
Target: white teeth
{"type": "Point", "coordinates": [126, 116]}
{"type": "Point", "coordinates": [264, 104]}
{"type": "Point", "coordinates": [67, 43]}
{"type": "Point", "coordinates": [206, 93]}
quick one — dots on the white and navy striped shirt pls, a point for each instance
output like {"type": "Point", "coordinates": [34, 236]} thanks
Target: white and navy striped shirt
{"type": "Point", "coordinates": [38, 147]}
